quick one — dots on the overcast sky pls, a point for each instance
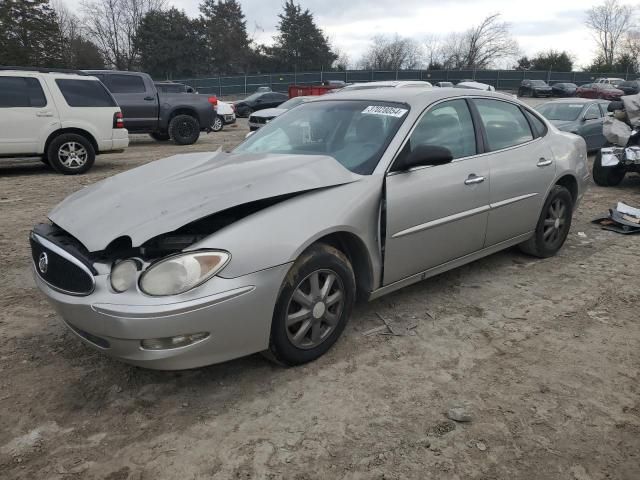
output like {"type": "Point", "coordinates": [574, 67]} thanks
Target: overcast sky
{"type": "Point", "coordinates": [537, 24]}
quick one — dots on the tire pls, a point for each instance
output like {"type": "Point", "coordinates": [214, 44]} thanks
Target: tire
{"type": "Point", "coordinates": [607, 176]}
{"type": "Point", "coordinates": [71, 154]}
{"type": "Point", "coordinates": [548, 237]}
{"type": "Point", "coordinates": [304, 325]}
{"type": "Point", "coordinates": [45, 160]}
{"type": "Point", "coordinates": [160, 137]}
{"type": "Point", "coordinates": [218, 124]}
{"type": "Point", "coordinates": [184, 129]}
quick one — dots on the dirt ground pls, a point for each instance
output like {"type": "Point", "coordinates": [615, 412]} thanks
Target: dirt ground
{"type": "Point", "coordinates": [544, 355]}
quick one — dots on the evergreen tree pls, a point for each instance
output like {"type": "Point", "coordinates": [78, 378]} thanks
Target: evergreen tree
{"type": "Point", "coordinates": [552, 60]}
{"type": "Point", "coordinates": [225, 36]}
{"type": "Point", "coordinates": [29, 34]}
{"type": "Point", "coordinates": [300, 44]}
{"type": "Point", "coordinates": [169, 45]}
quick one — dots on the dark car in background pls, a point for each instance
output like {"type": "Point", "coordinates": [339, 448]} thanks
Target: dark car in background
{"type": "Point", "coordinates": [604, 91]}
{"type": "Point", "coordinates": [579, 116]}
{"type": "Point", "coordinates": [534, 88]}
{"type": "Point", "coordinates": [564, 89]}
{"type": "Point", "coordinates": [259, 101]}
{"type": "Point", "coordinates": [177, 116]}
{"type": "Point", "coordinates": [630, 87]}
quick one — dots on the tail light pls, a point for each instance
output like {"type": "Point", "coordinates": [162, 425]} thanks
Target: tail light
{"type": "Point", "coordinates": [213, 100]}
{"type": "Point", "coordinates": [118, 120]}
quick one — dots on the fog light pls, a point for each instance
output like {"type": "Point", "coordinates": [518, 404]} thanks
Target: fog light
{"type": "Point", "coordinates": [173, 342]}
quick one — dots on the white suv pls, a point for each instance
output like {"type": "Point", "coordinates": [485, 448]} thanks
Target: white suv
{"type": "Point", "coordinates": [65, 118]}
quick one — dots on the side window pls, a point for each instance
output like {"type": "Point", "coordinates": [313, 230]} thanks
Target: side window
{"type": "Point", "coordinates": [85, 93]}
{"type": "Point", "coordinates": [125, 84]}
{"type": "Point", "coordinates": [504, 123]}
{"type": "Point", "coordinates": [538, 126]}
{"type": "Point", "coordinates": [21, 92]}
{"type": "Point", "coordinates": [603, 109]}
{"type": "Point", "coordinates": [592, 112]}
{"type": "Point", "coordinates": [449, 125]}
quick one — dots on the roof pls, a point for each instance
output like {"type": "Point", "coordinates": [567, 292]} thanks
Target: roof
{"type": "Point", "coordinates": [42, 70]}
{"type": "Point", "coordinates": [413, 96]}
{"type": "Point", "coordinates": [389, 83]}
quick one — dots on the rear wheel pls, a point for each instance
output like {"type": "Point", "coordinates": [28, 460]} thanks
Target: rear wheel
{"type": "Point", "coordinates": [184, 129]}
{"type": "Point", "coordinates": [553, 225]}
{"type": "Point", "coordinates": [313, 306]}
{"type": "Point", "coordinates": [607, 176]}
{"type": "Point", "coordinates": [71, 154]}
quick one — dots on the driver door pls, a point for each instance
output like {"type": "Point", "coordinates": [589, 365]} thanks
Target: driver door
{"type": "Point", "coordinates": [436, 214]}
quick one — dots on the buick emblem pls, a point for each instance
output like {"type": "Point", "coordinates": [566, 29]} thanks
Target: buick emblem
{"type": "Point", "coordinates": [43, 263]}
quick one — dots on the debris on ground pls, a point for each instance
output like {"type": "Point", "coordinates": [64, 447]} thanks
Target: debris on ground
{"type": "Point", "coordinates": [399, 327]}
{"type": "Point", "coordinates": [622, 219]}
{"type": "Point", "coordinates": [460, 414]}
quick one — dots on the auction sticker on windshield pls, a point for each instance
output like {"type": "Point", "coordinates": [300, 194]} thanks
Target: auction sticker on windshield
{"type": "Point", "coordinates": [382, 110]}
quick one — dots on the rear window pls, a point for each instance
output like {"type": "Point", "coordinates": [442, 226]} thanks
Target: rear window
{"type": "Point", "coordinates": [85, 93]}
{"type": "Point", "coordinates": [125, 84]}
{"type": "Point", "coordinates": [21, 92]}
{"type": "Point", "coordinates": [504, 123]}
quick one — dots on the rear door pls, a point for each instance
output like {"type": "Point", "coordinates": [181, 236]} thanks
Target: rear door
{"type": "Point", "coordinates": [27, 115]}
{"type": "Point", "coordinates": [521, 164]}
{"type": "Point", "coordinates": [436, 214]}
{"type": "Point", "coordinates": [138, 101]}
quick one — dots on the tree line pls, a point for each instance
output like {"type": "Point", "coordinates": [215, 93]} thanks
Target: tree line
{"type": "Point", "coordinates": [165, 42]}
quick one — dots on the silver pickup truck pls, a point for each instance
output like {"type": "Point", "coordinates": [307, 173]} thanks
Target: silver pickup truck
{"type": "Point", "coordinates": [176, 116]}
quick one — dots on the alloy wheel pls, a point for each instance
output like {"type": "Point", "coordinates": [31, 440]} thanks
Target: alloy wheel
{"type": "Point", "coordinates": [72, 155]}
{"type": "Point", "coordinates": [555, 222]}
{"type": "Point", "coordinates": [314, 309]}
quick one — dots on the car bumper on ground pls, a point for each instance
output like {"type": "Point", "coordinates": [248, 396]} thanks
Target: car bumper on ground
{"type": "Point", "coordinates": [229, 119]}
{"type": "Point", "coordinates": [235, 314]}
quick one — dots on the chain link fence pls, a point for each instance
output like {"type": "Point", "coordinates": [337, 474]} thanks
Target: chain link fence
{"type": "Point", "coordinates": [279, 82]}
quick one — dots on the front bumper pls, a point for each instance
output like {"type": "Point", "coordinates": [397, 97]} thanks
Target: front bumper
{"type": "Point", "coordinates": [236, 313]}
{"type": "Point", "coordinates": [229, 119]}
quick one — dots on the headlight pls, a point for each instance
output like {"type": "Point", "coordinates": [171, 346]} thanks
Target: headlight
{"type": "Point", "coordinates": [183, 272]}
{"type": "Point", "coordinates": [123, 275]}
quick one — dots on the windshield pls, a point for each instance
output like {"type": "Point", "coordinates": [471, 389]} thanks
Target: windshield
{"type": "Point", "coordinates": [355, 133]}
{"type": "Point", "coordinates": [253, 96]}
{"type": "Point", "coordinates": [566, 112]}
{"type": "Point", "coordinates": [538, 83]}
{"type": "Point", "coordinates": [295, 101]}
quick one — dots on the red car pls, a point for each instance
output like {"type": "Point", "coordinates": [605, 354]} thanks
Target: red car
{"type": "Point", "coordinates": [599, 90]}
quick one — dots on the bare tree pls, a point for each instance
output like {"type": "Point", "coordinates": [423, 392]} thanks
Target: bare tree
{"type": "Point", "coordinates": [392, 53]}
{"type": "Point", "coordinates": [112, 25]}
{"type": "Point", "coordinates": [481, 46]}
{"type": "Point", "coordinates": [609, 23]}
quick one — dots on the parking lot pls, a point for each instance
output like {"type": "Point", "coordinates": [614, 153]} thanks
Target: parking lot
{"type": "Point", "coordinates": [542, 353]}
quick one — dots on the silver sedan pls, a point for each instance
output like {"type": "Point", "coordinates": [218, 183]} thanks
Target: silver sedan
{"type": "Point", "coordinates": [204, 257]}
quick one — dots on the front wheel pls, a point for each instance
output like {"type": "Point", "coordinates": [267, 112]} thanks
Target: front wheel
{"type": "Point", "coordinates": [607, 176]}
{"type": "Point", "coordinates": [218, 124]}
{"type": "Point", "coordinates": [71, 154]}
{"type": "Point", "coordinates": [553, 225]}
{"type": "Point", "coordinates": [313, 306]}
{"type": "Point", "coordinates": [184, 129]}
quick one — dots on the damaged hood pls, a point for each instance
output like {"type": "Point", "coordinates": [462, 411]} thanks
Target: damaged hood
{"type": "Point", "coordinates": [164, 195]}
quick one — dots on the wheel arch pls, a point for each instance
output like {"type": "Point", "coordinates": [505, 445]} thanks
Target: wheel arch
{"type": "Point", "coordinates": [570, 182]}
{"type": "Point", "coordinates": [183, 111]}
{"type": "Point", "coordinates": [77, 131]}
{"type": "Point", "coordinates": [356, 251]}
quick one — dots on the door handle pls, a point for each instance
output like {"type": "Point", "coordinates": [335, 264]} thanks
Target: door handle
{"type": "Point", "coordinates": [473, 179]}
{"type": "Point", "coordinates": [543, 162]}
{"type": "Point", "coordinates": [149, 99]}
{"type": "Point", "coordinates": [44, 113]}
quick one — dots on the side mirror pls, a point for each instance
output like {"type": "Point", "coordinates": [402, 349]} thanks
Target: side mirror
{"type": "Point", "coordinates": [250, 133]}
{"type": "Point", "coordinates": [427, 155]}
